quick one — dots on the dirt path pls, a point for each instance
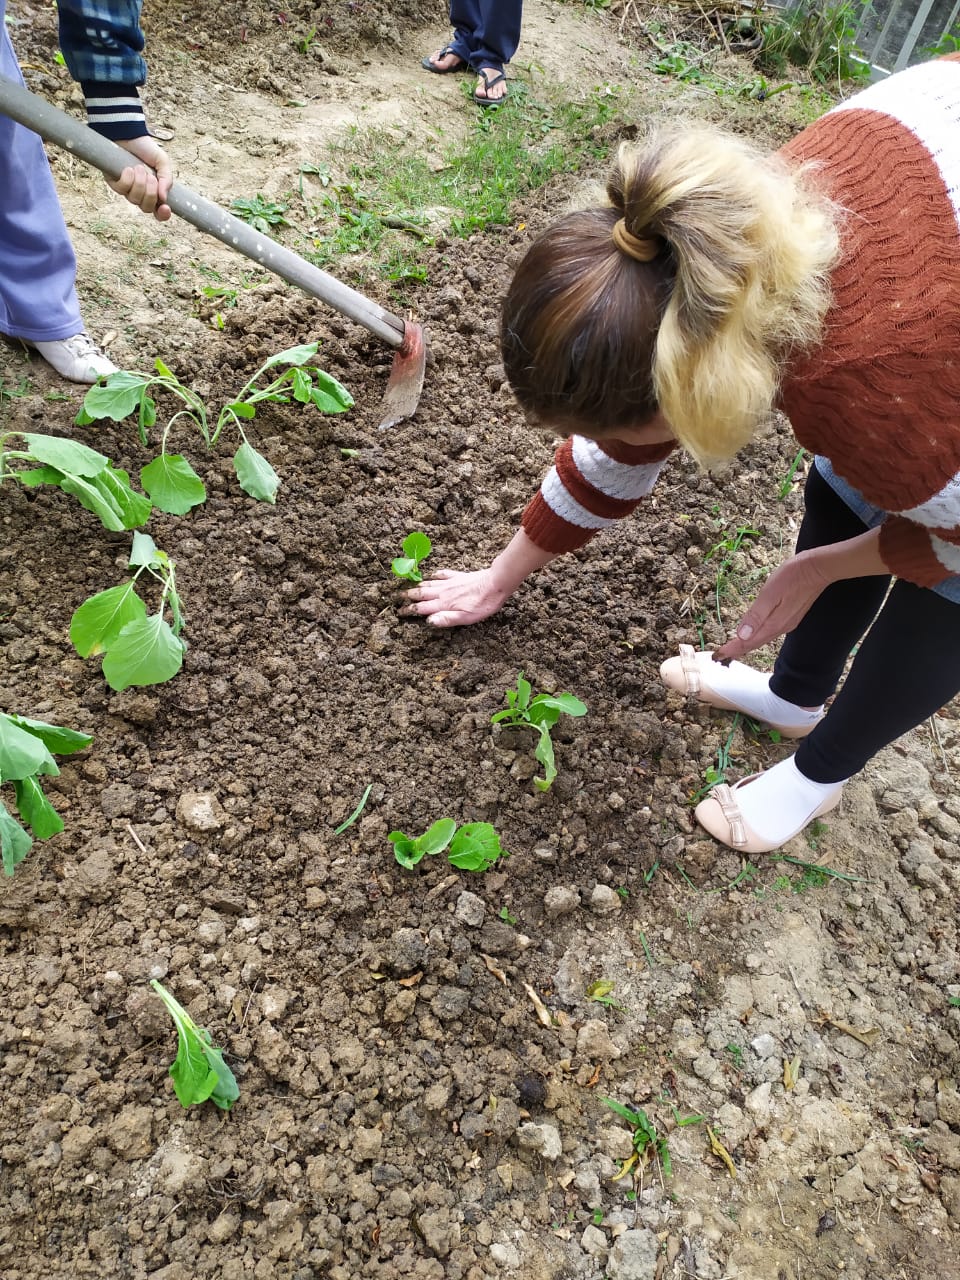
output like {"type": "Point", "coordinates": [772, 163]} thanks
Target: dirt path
{"type": "Point", "coordinates": [405, 1110]}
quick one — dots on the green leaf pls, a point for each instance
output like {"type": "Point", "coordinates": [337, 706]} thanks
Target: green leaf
{"type": "Point", "coordinates": [134, 508]}
{"type": "Point", "coordinates": [15, 844]}
{"type": "Point", "coordinates": [436, 837]}
{"type": "Point", "coordinates": [143, 551]}
{"type": "Point", "coordinates": [475, 847]}
{"type": "Point", "coordinates": [524, 689]}
{"type": "Point", "coordinates": [57, 740]}
{"type": "Point", "coordinates": [406, 568]}
{"type": "Point", "coordinates": [544, 753]}
{"type": "Point", "coordinates": [625, 1113]}
{"type": "Point", "coordinates": [117, 397]}
{"type": "Point", "coordinates": [242, 409]}
{"type": "Point", "coordinates": [417, 546]}
{"type": "Point", "coordinates": [255, 474]}
{"type": "Point", "coordinates": [162, 369]}
{"type": "Point", "coordinates": [198, 1071]}
{"type": "Point", "coordinates": [36, 810]}
{"type": "Point", "coordinates": [329, 395]}
{"type": "Point", "coordinates": [172, 484]}
{"type": "Point", "coordinates": [563, 702]}
{"type": "Point", "coordinates": [98, 622]}
{"type": "Point", "coordinates": [40, 475]}
{"type": "Point", "coordinates": [66, 455]}
{"type": "Point", "coordinates": [302, 385]}
{"type": "Point", "coordinates": [293, 355]}
{"type": "Point", "coordinates": [92, 497]}
{"type": "Point", "coordinates": [542, 713]}
{"type": "Point", "coordinates": [22, 753]}
{"type": "Point", "coordinates": [145, 652]}
{"type": "Point", "coordinates": [406, 851]}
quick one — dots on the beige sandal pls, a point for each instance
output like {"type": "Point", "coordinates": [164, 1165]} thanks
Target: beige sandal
{"type": "Point", "coordinates": [720, 814]}
{"type": "Point", "coordinates": [687, 675]}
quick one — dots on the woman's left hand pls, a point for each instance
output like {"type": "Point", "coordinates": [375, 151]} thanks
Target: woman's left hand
{"type": "Point", "coordinates": [783, 601]}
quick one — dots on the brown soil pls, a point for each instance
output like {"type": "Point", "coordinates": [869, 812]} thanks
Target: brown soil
{"type": "Point", "coordinates": [380, 1022]}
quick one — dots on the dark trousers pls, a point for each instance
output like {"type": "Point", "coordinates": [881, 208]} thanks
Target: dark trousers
{"type": "Point", "coordinates": [486, 33]}
{"type": "Point", "coordinates": [906, 668]}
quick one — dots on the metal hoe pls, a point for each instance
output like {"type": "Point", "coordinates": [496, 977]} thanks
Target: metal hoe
{"type": "Point", "coordinates": [406, 375]}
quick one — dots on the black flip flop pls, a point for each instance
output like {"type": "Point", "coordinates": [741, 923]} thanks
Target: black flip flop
{"type": "Point", "coordinates": [490, 104]}
{"type": "Point", "coordinates": [445, 71]}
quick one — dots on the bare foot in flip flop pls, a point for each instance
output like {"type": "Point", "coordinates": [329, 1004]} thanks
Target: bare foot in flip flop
{"type": "Point", "coordinates": [491, 89]}
{"type": "Point", "coordinates": [444, 61]}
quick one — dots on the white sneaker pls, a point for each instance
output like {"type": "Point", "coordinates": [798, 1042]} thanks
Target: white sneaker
{"type": "Point", "coordinates": [77, 359]}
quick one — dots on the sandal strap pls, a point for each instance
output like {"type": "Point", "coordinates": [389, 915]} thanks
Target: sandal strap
{"type": "Point", "coordinates": [731, 813]}
{"type": "Point", "coordinates": [691, 671]}
{"type": "Point", "coordinates": [490, 81]}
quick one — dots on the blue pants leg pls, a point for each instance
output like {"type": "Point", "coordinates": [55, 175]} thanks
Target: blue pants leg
{"type": "Point", "coordinates": [38, 269]}
{"type": "Point", "coordinates": [486, 32]}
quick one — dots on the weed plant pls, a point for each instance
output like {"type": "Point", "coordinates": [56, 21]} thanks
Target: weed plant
{"type": "Point", "coordinates": [822, 39]}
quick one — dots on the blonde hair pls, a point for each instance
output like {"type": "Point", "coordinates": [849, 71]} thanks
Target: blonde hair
{"type": "Point", "coordinates": [594, 337]}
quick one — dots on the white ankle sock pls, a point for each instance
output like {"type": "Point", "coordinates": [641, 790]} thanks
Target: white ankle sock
{"type": "Point", "coordinates": [782, 801]}
{"type": "Point", "coordinates": [750, 691]}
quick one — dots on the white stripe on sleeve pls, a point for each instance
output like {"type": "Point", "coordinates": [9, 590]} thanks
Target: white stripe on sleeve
{"type": "Point", "coordinates": [622, 480]}
{"type": "Point", "coordinates": [946, 553]}
{"type": "Point", "coordinates": [562, 503]}
{"type": "Point", "coordinates": [942, 511]}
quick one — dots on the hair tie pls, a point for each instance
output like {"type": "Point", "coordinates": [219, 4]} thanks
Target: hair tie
{"type": "Point", "coordinates": [641, 249]}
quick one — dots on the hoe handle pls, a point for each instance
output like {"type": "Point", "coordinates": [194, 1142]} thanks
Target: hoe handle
{"type": "Point", "coordinates": [54, 125]}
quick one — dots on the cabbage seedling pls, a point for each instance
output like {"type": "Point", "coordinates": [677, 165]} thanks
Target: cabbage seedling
{"type": "Point", "coordinates": [77, 469]}
{"type": "Point", "coordinates": [139, 649]}
{"type": "Point", "coordinates": [416, 548]}
{"type": "Point", "coordinates": [27, 748]}
{"type": "Point", "coordinates": [198, 1071]}
{"type": "Point", "coordinates": [539, 713]}
{"type": "Point", "coordinates": [169, 479]}
{"type": "Point", "coordinates": [473, 847]}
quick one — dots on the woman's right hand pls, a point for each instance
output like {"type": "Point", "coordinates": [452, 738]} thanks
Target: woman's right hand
{"type": "Point", "coordinates": [455, 599]}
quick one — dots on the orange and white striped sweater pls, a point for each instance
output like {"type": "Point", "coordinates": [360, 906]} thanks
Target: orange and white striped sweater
{"type": "Point", "coordinates": [881, 396]}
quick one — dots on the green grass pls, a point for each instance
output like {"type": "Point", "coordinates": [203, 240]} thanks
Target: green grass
{"type": "Point", "coordinates": [368, 198]}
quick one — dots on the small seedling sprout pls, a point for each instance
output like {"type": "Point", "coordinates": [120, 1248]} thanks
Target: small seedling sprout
{"type": "Point", "coordinates": [416, 547]}
{"type": "Point", "coordinates": [539, 713]}
{"type": "Point", "coordinates": [139, 649]}
{"type": "Point", "coordinates": [473, 847]}
{"type": "Point", "coordinates": [198, 1071]}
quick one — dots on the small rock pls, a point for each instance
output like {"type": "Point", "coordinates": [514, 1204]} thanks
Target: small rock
{"type": "Point", "coordinates": [408, 950]}
{"type": "Point", "coordinates": [77, 1143]}
{"type": "Point", "coordinates": [273, 1002]}
{"type": "Point", "coordinates": [604, 900]}
{"type": "Point", "coordinates": [544, 1139]}
{"type": "Point", "coordinates": [950, 1195]}
{"type": "Point", "coordinates": [439, 1233]}
{"type": "Point", "coordinates": [505, 1255]}
{"type": "Point", "coordinates": [545, 853]}
{"type": "Point", "coordinates": [119, 800]}
{"type": "Point", "coordinates": [948, 1105]}
{"type": "Point", "coordinates": [367, 1143]}
{"type": "Point", "coordinates": [616, 1142]}
{"type": "Point", "coordinates": [905, 784]}
{"type": "Point", "coordinates": [757, 1101]}
{"type": "Point", "coordinates": [633, 1256]}
{"type": "Point", "coordinates": [180, 1169]}
{"type": "Point", "coordinates": [560, 901]}
{"type": "Point", "coordinates": [450, 1003]}
{"type": "Point", "coordinates": [223, 1227]}
{"type": "Point", "coordinates": [764, 1046]}
{"type": "Point", "coordinates": [594, 1242]}
{"type": "Point", "coordinates": [470, 910]}
{"type": "Point", "coordinates": [130, 1133]}
{"type": "Point", "coordinates": [201, 811]}
{"type": "Point", "coordinates": [594, 1042]}
{"type": "Point", "coordinates": [850, 1186]}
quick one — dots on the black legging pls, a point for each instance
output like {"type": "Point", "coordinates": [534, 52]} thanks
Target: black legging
{"type": "Point", "coordinates": [907, 666]}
